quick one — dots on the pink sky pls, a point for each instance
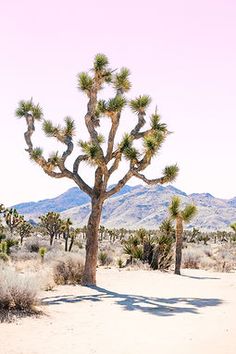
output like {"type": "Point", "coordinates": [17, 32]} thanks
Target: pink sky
{"type": "Point", "coordinates": [182, 53]}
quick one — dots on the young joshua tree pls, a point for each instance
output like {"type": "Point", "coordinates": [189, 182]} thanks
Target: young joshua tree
{"type": "Point", "coordinates": [180, 217]}
{"type": "Point", "coordinates": [105, 161]}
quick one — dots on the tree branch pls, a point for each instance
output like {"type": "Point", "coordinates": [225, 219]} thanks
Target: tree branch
{"type": "Point", "coordinates": [120, 184]}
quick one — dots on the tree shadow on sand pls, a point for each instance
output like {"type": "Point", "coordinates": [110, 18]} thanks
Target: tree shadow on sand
{"type": "Point", "coordinates": [152, 305]}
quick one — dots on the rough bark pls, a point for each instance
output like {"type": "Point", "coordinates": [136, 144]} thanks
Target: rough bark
{"type": "Point", "coordinates": [179, 244]}
{"type": "Point", "coordinates": [89, 276]}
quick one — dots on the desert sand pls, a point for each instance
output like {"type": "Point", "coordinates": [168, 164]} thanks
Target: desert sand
{"type": "Point", "coordinates": [132, 312]}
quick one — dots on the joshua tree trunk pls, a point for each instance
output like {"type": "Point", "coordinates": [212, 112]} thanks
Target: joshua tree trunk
{"type": "Point", "coordinates": [89, 276]}
{"type": "Point", "coordinates": [66, 242]}
{"type": "Point", "coordinates": [179, 244]}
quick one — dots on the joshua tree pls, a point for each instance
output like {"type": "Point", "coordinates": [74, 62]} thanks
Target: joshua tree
{"type": "Point", "coordinates": [13, 219]}
{"type": "Point", "coordinates": [52, 223]}
{"type": "Point", "coordinates": [24, 229]}
{"type": "Point", "coordinates": [65, 228]}
{"type": "Point", "coordinates": [104, 160]}
{"type": "Point", "coordinates": [180, 217]}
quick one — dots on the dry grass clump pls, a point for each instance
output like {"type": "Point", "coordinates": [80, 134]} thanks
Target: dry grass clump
{"type": "Point", "coordinates": [18, 293]}
{"type": "Point", "coordinates": [191, 258]}
{"type": "Point", "coordinates": [68, 270]}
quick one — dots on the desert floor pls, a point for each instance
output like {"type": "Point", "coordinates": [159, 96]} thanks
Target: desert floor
{"type": "Point", "coordinates": [132, 312]}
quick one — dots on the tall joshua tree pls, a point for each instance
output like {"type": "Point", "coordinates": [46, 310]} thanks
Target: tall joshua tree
{"type": "Point", "coordinates": [104, 160]}
{"type": "Point", "coordinates": [180, 217]}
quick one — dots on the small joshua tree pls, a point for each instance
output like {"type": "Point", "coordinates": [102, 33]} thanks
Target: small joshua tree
{"type": "Point", "coordinates": [180, 217]}
{"type": "Point", "coordinates": [52, 223]}
{"type": "Point", "coordinates": [104, 160]}
{"type": "Point", "coordinates": [12, 219]}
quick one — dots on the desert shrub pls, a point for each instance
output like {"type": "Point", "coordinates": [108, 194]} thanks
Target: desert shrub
{"type": "Point", "coordinates": [45, 279]}
{"type": "Point", "coordinates": [22, 255]}
{"type": "Point", "coordinates": [17, 291]}
{"type": "Point", "coordinates": [4, 257]}
{"type": "Point", "coordinates": [104, 258]}
{"type": "Point", "coordinates": [68, 270]}
{"type": "Point", "coordinates": [191, 258]}
{"type": "Point", "coordinates": [33, 244]}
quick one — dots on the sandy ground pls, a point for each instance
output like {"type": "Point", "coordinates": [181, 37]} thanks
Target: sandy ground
{"type": "Point", "coordinates": [132, 312]}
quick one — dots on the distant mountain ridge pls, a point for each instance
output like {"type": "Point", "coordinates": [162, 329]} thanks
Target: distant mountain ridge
{"type": "Point", "coordinates": [135, 207]}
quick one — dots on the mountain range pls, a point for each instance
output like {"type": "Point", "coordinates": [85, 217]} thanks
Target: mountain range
{"type": "Point", "coordinates": [136, 207]}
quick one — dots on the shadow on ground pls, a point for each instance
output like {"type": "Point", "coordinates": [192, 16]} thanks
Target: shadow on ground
{"type": "Point", "coordinates": [152, 305]}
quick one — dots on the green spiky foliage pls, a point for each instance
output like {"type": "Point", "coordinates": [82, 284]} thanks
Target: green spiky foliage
{"type": "Point", "coordinates": [174, 207]}
{"type": "Point", "coordinates": [126, 142]}
{"type": "Point", "coordinates": [116, 104]}
{"type": "Point", "coordinates": [49, 129]}
{"type": "Point", "coordinates": [156, 124]}
{"type": "Point", "coordinates": [100, 62]}
{"type": "Point", "coordinates": [101, 139]}
{"type": "Point", "coordinates": [91, 150]}
{"type": "Point", "coordinates": [54, 159]}
{"type": "Point", "coordinates": [121, 80]}
{"type": "Point", "coordinates": [167, 227]}
{"type": "Point", "coordinates": [140, 104]}
{"type": "Point", "coordinates": [189, 212]}
{"type": "Point", "coordinates": [152, 143]}
{"type": "Point", "coordinates": [85, 82]}
{"type": "Point", "coordinates": [171, 172]}
{"type": "Point", "coordinates": [36, 154]}
{"type": "Point", "coordinates": [69, 129]}
{"type": "Point", "coordinates": [131, 153]}
{"type": "Point", "coordinates": [233, 227]}
{"type": "Point", "coordinates": [113, 105]}
{"type": "Point", "coordinates": [27, 107]}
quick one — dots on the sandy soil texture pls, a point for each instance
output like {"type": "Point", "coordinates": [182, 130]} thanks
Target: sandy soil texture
{"type": "Point", "coordinates": [132, 312]}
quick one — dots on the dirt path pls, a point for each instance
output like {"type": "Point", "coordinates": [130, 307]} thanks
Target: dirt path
{"type": "Point", "coordinates": [132, 312]}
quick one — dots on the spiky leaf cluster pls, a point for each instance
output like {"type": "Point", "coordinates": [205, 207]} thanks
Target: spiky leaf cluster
{"type": "Point", "coordinates": [100, 62]}
{"type": "Point", "coordinates": [49, 129]}
{"type": "Point", "coordinates": [170, 172]}
{"type": "Point", "coordinates": [57, 131]}
{"type": "Point", "coordinates": [85, 82]}
{"type": "Point", "coordinates": [113, 105]}
{"type": "Point", "coordinates": [140, 104]}
{"type": "Point", "coordinates": [28, 107]}
{"type": "Point", "coordinates": [92, 150]}
{"type": "Point", "coordinates": [36, 153]}
{"type": "Point", "coordinates": [102, 72]}
{"type": "Point", "coordinates": [69, 129]}
{"type": "Point", "coordinates": [156, 125]}
{"type": "Point", "coordinates": [54, 159]}
{"type": "Point", "coordinates": [121, 80]}
{"type": "Point", "coordinates": [174, 207]}
{"type": "Point", "coordinates": [126, 142]}
{"type": "Point", "coordinates": [131, 153]}
{"type": "Point", "coordinates": [189, 212]}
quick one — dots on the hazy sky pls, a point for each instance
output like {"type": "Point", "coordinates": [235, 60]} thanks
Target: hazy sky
{"type": "Point", "coordinates": [182, 53]}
